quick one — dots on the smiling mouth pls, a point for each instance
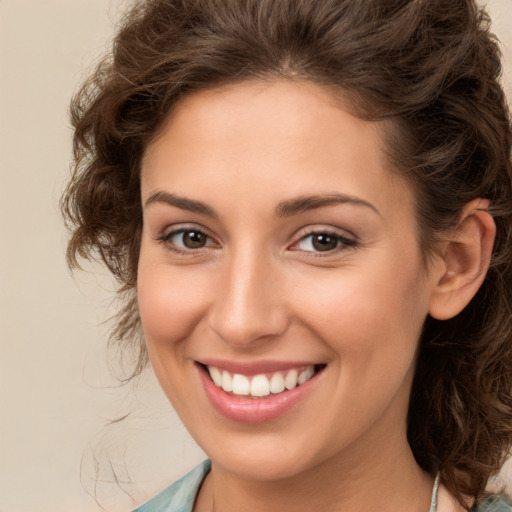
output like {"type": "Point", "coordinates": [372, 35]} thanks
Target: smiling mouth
{"type": "Point", "coordinates": [261, 385]}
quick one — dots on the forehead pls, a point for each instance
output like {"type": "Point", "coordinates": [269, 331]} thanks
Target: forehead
{"type": "Point", "coordinates": [255, 137]}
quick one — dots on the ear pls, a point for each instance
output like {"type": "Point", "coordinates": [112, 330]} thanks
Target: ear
{"type": "Point", "coordinates": [463, 262]}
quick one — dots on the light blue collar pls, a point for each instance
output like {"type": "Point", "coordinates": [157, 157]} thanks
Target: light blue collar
{"type": "Point", "coordinates": [433, 501]}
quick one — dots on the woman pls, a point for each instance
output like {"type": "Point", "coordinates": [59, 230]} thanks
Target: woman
{"type": "Point", "coordinates": [308, 207]}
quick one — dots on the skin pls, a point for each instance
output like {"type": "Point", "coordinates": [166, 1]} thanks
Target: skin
{"type": "Point", "coordinates": [258, 290]}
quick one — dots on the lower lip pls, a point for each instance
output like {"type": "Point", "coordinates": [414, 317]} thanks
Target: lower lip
{"type": "Point", "coordinates": [254, 410]}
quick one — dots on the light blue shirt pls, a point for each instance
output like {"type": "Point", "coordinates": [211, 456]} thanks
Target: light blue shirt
{"type": "Point", "coordinates": [181, 495]}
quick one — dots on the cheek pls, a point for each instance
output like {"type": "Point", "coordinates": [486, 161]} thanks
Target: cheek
{"type": "Point", "coordinates": [171, 304]}
{"type": "Point", "coordinates": [171, 301]}
{"type": "Point", "coordinates": [367, 314]}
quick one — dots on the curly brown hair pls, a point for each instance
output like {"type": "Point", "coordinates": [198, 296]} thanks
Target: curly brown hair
{"type": "Point", "coordinates": [429, 67]}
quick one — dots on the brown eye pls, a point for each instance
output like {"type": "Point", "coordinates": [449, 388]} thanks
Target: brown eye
{"type": "Point", "coordinates": [193, 239]}
{"type": "Point", "coordinates": [183, 240]}
{"type": "Point", "coordinates": [324, 242]}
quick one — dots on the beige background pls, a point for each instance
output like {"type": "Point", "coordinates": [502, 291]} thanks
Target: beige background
{"type": "Point", "coordinates": [56, 393]}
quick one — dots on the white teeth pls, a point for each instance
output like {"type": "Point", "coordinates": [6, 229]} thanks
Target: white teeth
{"type": "Point", "coordinates": [241, 384]}
{"type": "Point", "coordinates": [290, 380]}
{"type": "Point", "coordinates": [227, 381]}
{"type": "Point", "coordinates": [277, 383]}
{"type": "Point", "coordinates": [259, 385]}
{"type": "Point", "coordinates": [216, 375]}
{"type": "Point", "coordinates": [305, 375]}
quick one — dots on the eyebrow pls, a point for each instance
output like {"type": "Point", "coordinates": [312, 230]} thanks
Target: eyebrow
{"type": "Point", "coordinates": [182, 203]}
{"type": "Point", "coordinates": [287, 208]}
{"type": "Point", "coordinates": [305, 203]}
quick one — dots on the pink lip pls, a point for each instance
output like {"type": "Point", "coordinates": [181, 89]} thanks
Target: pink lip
{"type": "Point", "coordinates": [257, 410]}
{"type": "Point", "coordinates": [255, 367]}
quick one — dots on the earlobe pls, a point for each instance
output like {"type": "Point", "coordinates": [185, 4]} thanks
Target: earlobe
{"type": "Point", "coordinates": [464, 261]}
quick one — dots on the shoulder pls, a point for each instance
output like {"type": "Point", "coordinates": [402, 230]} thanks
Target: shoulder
{"type": "Point", "coordinates": [494, 504]}
{"type": "Point", "coordinates": [180, 496]}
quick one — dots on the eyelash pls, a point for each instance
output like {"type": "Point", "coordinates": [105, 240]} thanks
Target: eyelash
{"type": "Point", "coordinates": [165, 239]}
{"type": "Point", "coordinates": [343, 242]}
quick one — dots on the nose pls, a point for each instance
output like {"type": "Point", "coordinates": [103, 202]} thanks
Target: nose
{"type": "Point", "coordinates": [249, 307]}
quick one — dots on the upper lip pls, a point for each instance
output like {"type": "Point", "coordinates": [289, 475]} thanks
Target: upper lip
{"type": "Point", "coordinates": [255, 367]}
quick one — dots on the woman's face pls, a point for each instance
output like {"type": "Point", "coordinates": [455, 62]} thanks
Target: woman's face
{"type": "Point", "coordinates": [280, 250]}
